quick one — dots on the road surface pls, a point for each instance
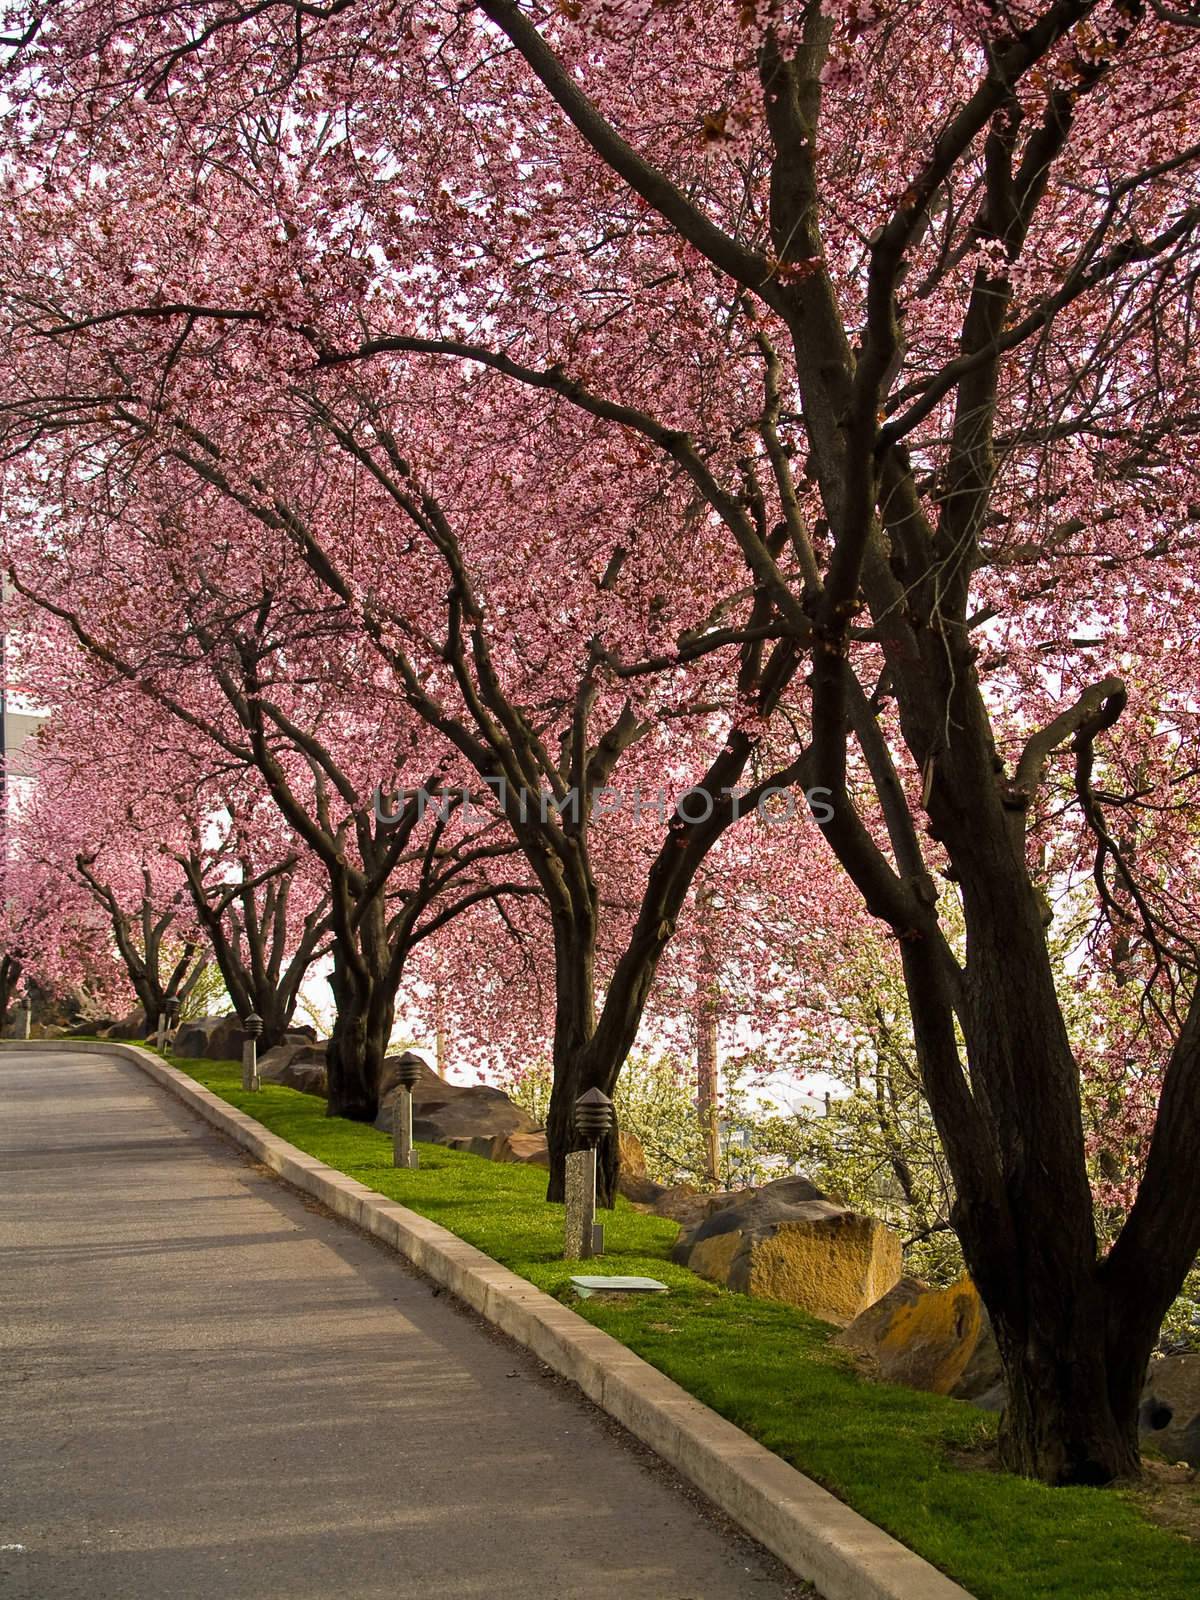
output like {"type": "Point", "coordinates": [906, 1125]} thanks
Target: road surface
{"type": "Point", "coordinates": [212, 1390]}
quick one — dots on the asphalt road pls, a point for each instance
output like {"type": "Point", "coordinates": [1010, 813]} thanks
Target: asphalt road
{"type": "Point", "coordinates": [212, 1390]}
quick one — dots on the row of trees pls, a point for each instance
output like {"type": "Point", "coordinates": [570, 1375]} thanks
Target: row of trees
{"type": "Point", "coordinates": [538, 401]}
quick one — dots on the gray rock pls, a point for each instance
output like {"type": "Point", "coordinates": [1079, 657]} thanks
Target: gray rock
{"type": "Point", "coordinates": [1169, 1417]}
{"type": "Point", "coordinates": [473, 1117]}
{"type": "Point", "coordinates": [210, 1039]}
{"type": "Point", "coordinates": [678, 1202]}
{"type": "Point", "coordinates": [748, 1210]}
{"type": "Point", "coordinates": [993, 1399]}
{"type": "Point", "coordinates": [131, 1026]}
{"type": "Point", "coordinates": [298, 1063]}
{"type": "Point", "coordinates": [478, 1114]}
{"type": "Point", "coordinates": [642, 1192]}
{"type": "Point", "coordinates": [97, 1027]}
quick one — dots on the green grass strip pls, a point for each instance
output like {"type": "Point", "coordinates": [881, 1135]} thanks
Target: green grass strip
{"type": "Point", "coordinates": [894, 1454]}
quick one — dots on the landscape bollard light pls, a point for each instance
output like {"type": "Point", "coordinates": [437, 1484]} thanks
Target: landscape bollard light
{"type": "Point", "coordinates": [408, 1073]}
{"type": "Point", "coordinates": [171, 1006]}
{"type": "Point", "coordinates": [160, 1036]}
{"type": "Point", "coordinates": [252, 1026]}
{"type": "Point", "coordinates": [24, 1018]}
{"type": "Point", "coordinates": [584, 1235]}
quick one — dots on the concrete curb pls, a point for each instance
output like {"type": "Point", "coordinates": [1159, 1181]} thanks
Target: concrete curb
{"type": "Point", "coordinates": [825, 1542]}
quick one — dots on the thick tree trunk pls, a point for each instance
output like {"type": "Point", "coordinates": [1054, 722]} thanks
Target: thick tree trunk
{"type": "Point", "coordinates": [263, 999]}
{"type": "Point", "coordinates": [358, 1042]}
{"type": "Point", "coordinates": [1074, 1350]}
{"type": "Point", "coordinates": [707, 1044]}
{"type": "Point", "coordinates": [151, 998]}
{"type": "Point", "coordinates": [1072, 1410]}
{"type": "Point", "coordinates": [276, 1020]}
{"type": "Point", "coordinates": [570, 1081]}
{"type": "Point", "coordinates": [577, 1067]}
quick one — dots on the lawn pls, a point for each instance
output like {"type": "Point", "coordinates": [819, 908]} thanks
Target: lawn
{"type": "Point", "coordinates": [901, 1458]}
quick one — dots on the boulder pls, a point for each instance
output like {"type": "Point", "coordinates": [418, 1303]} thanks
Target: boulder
{"type": "Point", "coordinates": [483, 1145]}
{"type": "Point", "coordinates": [191, 1038]}
{"type": "Point", "coordinates": [131, 1026]}
{"type": "Point", "coordinates": [739, 1209]}
{"type": "Point", "coordinates": [63, 1011]}
{"type": "Point", "coordinates": [533, 1149]}
{"type": "Point", "coordinates": [642, 1192]}
{"type": "Point", "coordinates": [680, 1202]}
{"type": "Point", "coordinates": [209, 1038]}
{"type": "Point", "coordinates": [633, 1156]}
{"type": "Point", "coordinates": [297, 1064]}
{"type": "Point", "coordinates": [478, 1113]}
{"type": "Point", "coordinates": [786, 1242]}
{"type": "Point", "coordinates": [475, 1117]}
{"type": "Point", "coordinates": [1169, 1417]}
{"type": "Point", "coordinates": [919, 1336]}
{"type": "Point", "coordinates": [226, 1040]}
{"type": "Point", "coordinates": [982, 1380]}
{"type": "Point", "coordinates": [429, 1090]}
{"type": "Point", "coordinates": [478, 1119]}
{"type": "Point", "coordinates": [99, 1027]}
{"type": "Point", "coordinates": [529, 1148]}
{"type": "Point", "coordinates": [103, 1026]}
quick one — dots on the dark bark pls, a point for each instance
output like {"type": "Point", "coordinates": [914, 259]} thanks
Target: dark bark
{"type": "Point", "coordinates": [359, 1040]}
{"type": "Point", "coordinates": [1072, 1411]}
{"type": "Point", "coordinates": [248, 929]}
{"type": "Point", "coordinates": [10, 977]}
{"type": "Point", "coordinates": [571, 1079]}
{"type": "Point", "coordinates": [143, 952]}
{"type": "Point", "coordinates": [707, 1074]}
{"type": "Point", "coordinates": [574, 1066]}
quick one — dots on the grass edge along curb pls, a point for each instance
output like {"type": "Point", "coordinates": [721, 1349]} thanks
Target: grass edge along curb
{"type": "Point", "coordinates": [821, 1539]}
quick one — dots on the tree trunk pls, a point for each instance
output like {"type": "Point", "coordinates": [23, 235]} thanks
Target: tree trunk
{"type": "Point", "coordinates": [576, 1066]}
{"type": "Point", "coordinates": [10, 977]}
{"type": "Point", "coordinates": [358, 1042]}
{"type": "Point", "coordinates": [708, 1089]}
{"type": "Point", "coordinates": [441, 1041]}
{"type": "Point", "coordinates": [708, 980]}
{"type": "Point", "coordinates": [570, 1081]}
{"type": "Point", "coordinates": [1072, 1413]}
{"type": "Point", "coordinates": [1074, 1355]}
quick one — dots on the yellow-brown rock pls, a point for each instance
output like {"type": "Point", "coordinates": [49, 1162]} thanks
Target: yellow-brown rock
{"type": "Point", "coordinates": [713, 1258]}
{"type": "Point", "coordinates": [833, 1266]}
{"type": "Point", "coordinates": [529, 1148]}
{"type": "Point", "coordinates": [633, 1156]}
{"type": "Point", "coordinates": [815, 1254]}
{"type": "Point", "coordinates": [920, 1336]}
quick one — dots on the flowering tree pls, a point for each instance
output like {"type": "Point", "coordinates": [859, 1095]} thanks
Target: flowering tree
{"type": "Point", "coordinates": [69, 834]}
{"type": "Point", "coordinates": [250, 902]}
{"type": "Point", "coordinates": [900, 300]}
{"type": "Point", "coordinates": [549, 698]}
{"type": "Point", "coordinates": [246, 664]}
{"type": "Point", "coordinates": [53, 935]}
